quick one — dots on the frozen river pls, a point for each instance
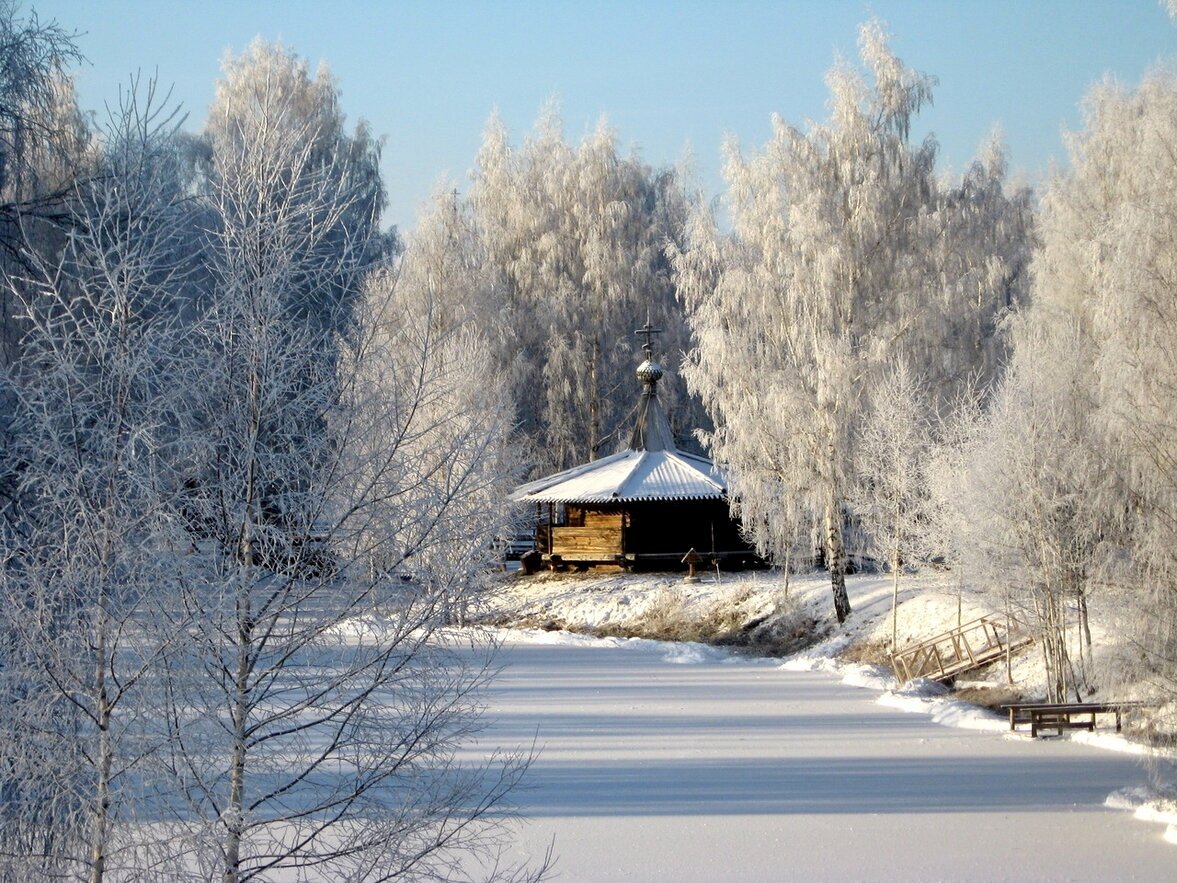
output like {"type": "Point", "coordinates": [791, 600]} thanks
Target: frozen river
{"type": "Point", "coordinates": [663, 764]}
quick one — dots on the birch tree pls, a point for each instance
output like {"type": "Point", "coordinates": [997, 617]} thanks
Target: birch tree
{"type": "Point", "coordinates": [86, 535]}
{"type": "Point", "coordinates": [890, 499]}
{"type": "Point", "coordinates": [821, 278]}
{"type": "Point", "coordinates": [578, 236]}
{"type": "Point", "coordinates": [948, 528]}
{"type": "Point", "coordinates": [290, 206]}
{"type": "Point", "coordinates": [342, 488]}
{"type": "Point", "coordinates": [316, 713]}
{"type": "Point", "coordinates": [1034, 528]}
{"type": "Point", "coordinates": [834, 269]}
{"type": "Point", "coordinates": [266, 101]}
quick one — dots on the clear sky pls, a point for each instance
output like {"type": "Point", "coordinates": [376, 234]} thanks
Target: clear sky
{"type": "Point", "coordinates": [670, 75]}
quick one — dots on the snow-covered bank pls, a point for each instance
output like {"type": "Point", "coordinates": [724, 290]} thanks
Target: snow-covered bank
{"type": "Point", "coordinates": [618, 604]}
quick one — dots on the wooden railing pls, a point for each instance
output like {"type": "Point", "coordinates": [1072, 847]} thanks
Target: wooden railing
{"type": "Point", "coordinates": [961, 649]}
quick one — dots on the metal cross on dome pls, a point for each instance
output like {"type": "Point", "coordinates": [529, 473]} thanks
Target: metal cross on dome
{"type": "Point", "coordinates": [649, 330]}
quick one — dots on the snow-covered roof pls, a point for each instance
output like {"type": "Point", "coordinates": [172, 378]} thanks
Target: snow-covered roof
{"type": "Point", "coordinates": [653, 469]}
{"type": "Point", "coordinates": [630, 477]}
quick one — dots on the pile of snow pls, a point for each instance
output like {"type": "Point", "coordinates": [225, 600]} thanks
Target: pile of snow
{"type": "Point", "coordinates": [1148, 805]}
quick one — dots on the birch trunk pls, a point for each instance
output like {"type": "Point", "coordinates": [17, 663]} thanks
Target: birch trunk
{"type": "Point", "coordinates": [836, 559]}
{"type": "Point", "coordinates": [235, 810]}
{"type": "Point", "coordinates": [895, 606]}
{"type": "Point", "coordinates": [100, 822]}
{"type": "Point", "coordinates": [896, 561]}
{"type": "Point", "coordinates": [594, 436]}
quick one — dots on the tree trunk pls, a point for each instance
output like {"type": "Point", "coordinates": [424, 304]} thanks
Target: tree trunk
{"type": "Point", "coordinates": [896, 561]}
{"type": "Point", "coordinates": [100, 822]}
{"type": "Point", "coordinates": [594, 438]}
{"type": "Point", "coordinates": [895, 605]}
{"type": "Point", "coordinates": [788, 565]}
{"type": "Point", "coordinates": [836, 559]}
{"type": "Point", "coordinates": [234, 811]}
{"type": "Point", "coordinates": [1084, 620]}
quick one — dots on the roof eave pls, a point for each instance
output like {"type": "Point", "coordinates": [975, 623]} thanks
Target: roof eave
{"type": "Point", "coordinates": [588, 500]}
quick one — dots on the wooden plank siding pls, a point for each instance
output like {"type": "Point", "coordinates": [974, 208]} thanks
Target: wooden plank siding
{"type": "Point", "coordinates": [646, 535]}
{"type": "Point", "coordinates": [603, 519]}
{"type": "Point", "coordinates": [599, 543]}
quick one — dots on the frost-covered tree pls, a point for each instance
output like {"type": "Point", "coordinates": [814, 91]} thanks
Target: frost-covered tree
{"type": "Point", "coordinates": [948, 526]}
{"type": "Point", "coordinates": [838, 265]}
{"type": "Point", "coordinates": [447, 265]}
{"type": "Point", "coordinates": [578, 236]}
{"type": "Point", "coordinates": [817, 271]}
{"type": "Point", "coordinates": [445, 261]}
{"type": "Point", "coordinates": [1028, 501]}
{"type": "Point", "coordinates": [344, 480]}
{"type": "Point", "coordinates": [86, 535]}
{"type": "Point", "coordinates": [980, 241]}
{"type": "Point", "coordinates": [315, 713]}
{"type": "Point", "coordinates": [890, 497]}
{"type": "Point", "coordinates": [290, 205]}
{"type": "Point", "coordinates": [446, 272]}
{"type": "Point", "coordinates": [44, 145]}
{"type": "Point", "coordinates": [37, 113]}
{"type": "Point", "coordinates": [1109, 261]}
{"type": "Point", "coordinates": [268, 102]}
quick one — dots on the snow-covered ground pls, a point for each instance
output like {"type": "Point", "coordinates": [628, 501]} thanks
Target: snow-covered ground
{"type": "Point", "coordinates": [670, 762]}
{"type": "Point", "coordinates": [686, 762]}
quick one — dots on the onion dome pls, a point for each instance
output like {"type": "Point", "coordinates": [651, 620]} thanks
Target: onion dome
{"type": "Point", "coordinates": [649, 373]}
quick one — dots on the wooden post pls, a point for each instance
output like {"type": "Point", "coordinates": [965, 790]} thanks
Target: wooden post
{"type": "Point", "coordinates": [1009, 666]}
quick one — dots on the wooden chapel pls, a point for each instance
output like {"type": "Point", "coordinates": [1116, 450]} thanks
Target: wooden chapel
{"type": "Point", "coordinates": [644, 507]}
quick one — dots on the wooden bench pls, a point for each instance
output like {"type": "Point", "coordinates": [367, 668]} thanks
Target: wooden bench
{"type": "Point", "coordinates": [1059, 716]}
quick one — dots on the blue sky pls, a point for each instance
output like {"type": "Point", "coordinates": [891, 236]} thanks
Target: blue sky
{"type": "Point", "coordinates": [668, 75]}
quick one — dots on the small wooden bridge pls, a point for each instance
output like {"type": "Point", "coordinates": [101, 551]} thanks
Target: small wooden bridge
{"type": "Point", "coordinates": [961, 649]}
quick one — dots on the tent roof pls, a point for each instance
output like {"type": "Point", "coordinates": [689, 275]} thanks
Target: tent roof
{"type": "Point", "coordinates": [629, 477]}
